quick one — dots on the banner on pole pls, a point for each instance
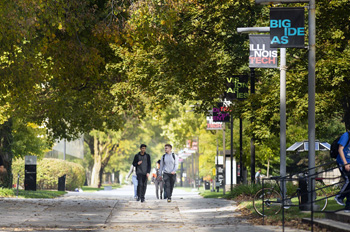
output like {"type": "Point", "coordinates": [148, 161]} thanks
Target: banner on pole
{"type": "Point", "coordinates": [287, 29]}
{"type": "Point", "coordinates": [237, 87]}
{"type": "Point", "coordinates": [211, 125]}
{"type": "Point", "coordinates": [221, 113]}
{"type": "Point", "coordinates": [261, 55]}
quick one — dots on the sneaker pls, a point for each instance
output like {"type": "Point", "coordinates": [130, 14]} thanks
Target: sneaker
{"type": "Point", "coordinates": [142, 200]}
{"type": "Point", "coordinates": [169, 199]}
{"type": "Point", "coordinates": [347, 211]}
{"type": "Point", "coordinates": [339, 201]}
{"type": "Point", "coordinates": [138, 199]}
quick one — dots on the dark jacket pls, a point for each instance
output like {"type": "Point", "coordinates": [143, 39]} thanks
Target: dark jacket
{"type": "Point", "coordinates": [144, 168]}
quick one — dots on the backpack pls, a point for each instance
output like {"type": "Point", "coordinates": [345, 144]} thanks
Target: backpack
{"type": "Point", "coordinates": [335, 146]}
{"type": "Point", "coordinates": [172, 154]}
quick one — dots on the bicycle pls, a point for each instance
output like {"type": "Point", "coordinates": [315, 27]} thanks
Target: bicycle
{"type": "Point", "coordinates": [269, 200]}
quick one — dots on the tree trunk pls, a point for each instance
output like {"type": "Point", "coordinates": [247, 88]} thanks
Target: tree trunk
{"type": "Point", "coordinates": [6, 153]}
{"type": "Point", "coordinates": [95, 180]}
{"type": "Point", "coordinates": [98, 148]}
{"type": "Point", "coordinates": [268, 168]}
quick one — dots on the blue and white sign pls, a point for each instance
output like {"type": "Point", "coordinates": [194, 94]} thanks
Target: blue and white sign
{"type": "Point", "coordinates": [287, 29]}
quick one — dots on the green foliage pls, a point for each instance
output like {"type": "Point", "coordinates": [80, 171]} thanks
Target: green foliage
{"type": "Point", "coordinates": [6, 192]}
{"type": "Point", "coordinates": [29, 139]}
{"type": "Point", "coordinates": [244, 189]}
{"type": "Point", "coordinates": [48, 172]}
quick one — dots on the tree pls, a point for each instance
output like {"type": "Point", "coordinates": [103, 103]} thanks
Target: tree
{"type": "Point", "coordinates": [102, 146]}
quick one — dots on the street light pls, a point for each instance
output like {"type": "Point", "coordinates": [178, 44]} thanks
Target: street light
{"type": "Point", "coordinates": [283, 68]}
{"type": "Point", "coordinates": [311, 83]}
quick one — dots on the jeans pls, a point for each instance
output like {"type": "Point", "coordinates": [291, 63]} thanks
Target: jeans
{"type": "Point", "coordinates": [135, 182]}
{"type": "Point", "coordinates": [345, 190]}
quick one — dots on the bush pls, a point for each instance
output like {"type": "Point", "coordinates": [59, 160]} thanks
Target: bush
{"type": "Point", "coordinates": [244, 189]}
{"type": "Point", "coordinates": [251, 189]}
{"type": "Point", "coordinates": [48, 172]}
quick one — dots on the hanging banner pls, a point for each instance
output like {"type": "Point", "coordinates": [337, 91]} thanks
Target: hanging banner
{"type": "Point", "coordinates": [221, 113]}
{"type": "Point", "coordinates": [211, 125]}
{"type": "Point", "coordinates": [260, 53]}
{"type": "Point", "coordinates": [237, 87]}
{"type": "Point", "coordinates": [287, 29]}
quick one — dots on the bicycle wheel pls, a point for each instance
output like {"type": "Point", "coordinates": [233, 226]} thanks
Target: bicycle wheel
{"type": "Point", "coordinates": [268, 198]}
{"type": "Point", "coordinates": [321, 196]}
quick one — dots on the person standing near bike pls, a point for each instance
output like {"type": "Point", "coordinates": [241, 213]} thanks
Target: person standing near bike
{"type": "Point", "coordinates": [343, 161]}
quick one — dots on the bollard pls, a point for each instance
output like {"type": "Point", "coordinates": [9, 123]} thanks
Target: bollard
{"type": "Point", "coordinates": [62, 183]}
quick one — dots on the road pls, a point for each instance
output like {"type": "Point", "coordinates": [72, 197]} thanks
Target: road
{"type": "Point", "coordinates": [116, 210]}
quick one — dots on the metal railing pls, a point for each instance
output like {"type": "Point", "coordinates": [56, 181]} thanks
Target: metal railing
{"type": "Point", "coordinates": [311, 192]}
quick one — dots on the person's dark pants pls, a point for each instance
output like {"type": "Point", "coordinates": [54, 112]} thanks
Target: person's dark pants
{"type": "Point", "coordinates": [169, 180]}
{"type": "Point", "coordinates": [142, 186]}
{"type": "Point", "coordinates": [164, 186]}
{"type": "Point", "coordinates": [345, 190]}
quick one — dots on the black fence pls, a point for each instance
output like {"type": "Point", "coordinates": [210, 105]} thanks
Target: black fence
{"type": "Point", "coordinates": [307, 190]}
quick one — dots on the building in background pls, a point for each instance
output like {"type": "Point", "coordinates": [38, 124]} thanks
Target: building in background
{"type": "Point", "coordinates": [63, 149]}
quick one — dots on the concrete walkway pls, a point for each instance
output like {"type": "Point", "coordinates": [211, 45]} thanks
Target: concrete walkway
{"type": "Point", "coordinates": [116, 210]}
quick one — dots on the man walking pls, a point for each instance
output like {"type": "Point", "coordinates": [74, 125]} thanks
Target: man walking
{"type": "Point", "coordinates": [142, 162]}
{"type": "Point", "coordinates": [343, 161]}
{"type": "Point", "coordinates": [168, 166]}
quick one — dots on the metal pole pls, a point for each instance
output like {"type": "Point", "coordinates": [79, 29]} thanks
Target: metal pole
{"type": "Point", "coordinates": [217, 161]}
{"type": "Point", "coordinates": [241, 148]}
{"type": "Point", "coordinates": [181, 175]}
{"type": "Point", "coordinates": [197, 156]}
{"type": "Point", "coordinates": [311, 92]}
{"type": "Point", "coordinates": [17, 184]}
{"type": "Point", "coordinates": [224, 156]}
{"type": "Point", "coordinates": [193, 176]}
{"type": "Point", "coordinates": [252, 146]}
{"type": "Point", "coordinates": [231, 152]}
{"type": "Point", "coordinates": [64, 149]}
{"type": "Point", "coordinates": [283, 150]}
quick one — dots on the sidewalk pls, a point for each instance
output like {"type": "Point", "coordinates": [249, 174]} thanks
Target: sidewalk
{"type": "Point", "coordinates": [116, 210]}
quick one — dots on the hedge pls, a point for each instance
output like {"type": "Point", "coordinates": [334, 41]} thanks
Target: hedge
{"type": "Point", "coordinates": [48, 172]}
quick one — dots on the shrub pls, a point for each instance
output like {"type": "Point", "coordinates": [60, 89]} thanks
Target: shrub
{"type": "Point", "coordinates": [48, 172]}
{"type": "Point", "coordinates": [244, 189]}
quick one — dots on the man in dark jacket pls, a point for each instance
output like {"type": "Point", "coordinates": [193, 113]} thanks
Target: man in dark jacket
{"type": "Point", "coordinates": [142, 162]}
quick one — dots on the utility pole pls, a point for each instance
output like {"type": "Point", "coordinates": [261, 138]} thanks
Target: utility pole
{"type": "Point", "coordinates": [224, 157]}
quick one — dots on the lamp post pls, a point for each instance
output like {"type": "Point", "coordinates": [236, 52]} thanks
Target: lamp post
{"type": "Point", "coordinates": [282, 99]}
{"type": "Point", "coordinates": [311, 83]}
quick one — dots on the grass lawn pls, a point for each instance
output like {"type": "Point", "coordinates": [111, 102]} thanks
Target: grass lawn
{"type": "Point", "coordinates": [93, 189]}
{"type": "Point", "coordinates": [4, 192]}
{"type": "Point", "coordinates": [30, 194]}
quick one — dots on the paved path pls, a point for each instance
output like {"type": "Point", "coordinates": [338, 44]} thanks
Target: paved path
{"type": "Point", "coordinates": [116, 210]}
